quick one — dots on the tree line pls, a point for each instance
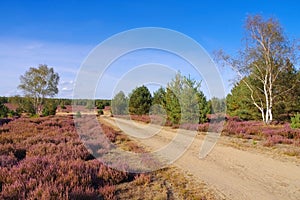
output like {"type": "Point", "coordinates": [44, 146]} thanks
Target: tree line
{"type": "Point", "coordinates": [181, 101]}
{"type": "Point", "coordinates": [267, 86]}
{"type": "Point", "coordinates": [49, 105]}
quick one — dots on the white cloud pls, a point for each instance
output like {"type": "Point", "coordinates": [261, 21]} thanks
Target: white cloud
{"type": "Point", "coordinates": [16, 56]}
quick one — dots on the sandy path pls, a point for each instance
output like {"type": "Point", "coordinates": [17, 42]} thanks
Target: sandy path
{"type": "Point", "coordinates": [233, 173]}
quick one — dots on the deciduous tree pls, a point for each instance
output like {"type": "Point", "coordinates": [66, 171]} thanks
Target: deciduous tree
{"type": "Point", "coordinates": [266, 55]}
{"type": "Point", "coordinates": [39, 83]}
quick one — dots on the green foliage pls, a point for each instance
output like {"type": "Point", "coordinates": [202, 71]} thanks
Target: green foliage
{"type": "Point", "coordinates": [185, 103]}
{"type": "Point", "coordinates": [159, 97]}
{"type": "Point", "coordinates": [90, 104]}
{"type": "Point", "coordinates": [3, 100]}
{"type": "Point", "coordinates": [288, 95]}
{"type": "Point", "coordinates": [295, 121]}
{"type": "Point", "coordinates": [159, 101]}
{"type": "Point", "coordinates": [25, 104]}
{"type": "Point", "coordinates": [79, 102]}
{"type": "Point", "coordinates": [4, 111]}
{"type": "Point", "coordinates": [38, 83]}
{"type": "Point", "coordinates": [140, 101]}
{"type": "Point", "coordinates": [204, 107]}
{"type": "Point", "coordinates": [266, 65]}
{"type": "Point", "coordinates": [100, 112]}
{"type": "Point", "coordinates": [49, 108]}
{"type": "Point", "coordinates": [101, 103]}
{"type": "Point", "coordinates": [78, 114]}
{"type": "Point", "coordinates": [64, 101]}
{"type": "Point", "coordinates": [173, 98]}
{"type": "Point", "coordinates": [173, 107]}
{"type": "Point", "coordinates": [217, 105]}
{"type": "Point", "coordinates": [119, 104]}
{"type": "Point", "coordinates": [239, 103]}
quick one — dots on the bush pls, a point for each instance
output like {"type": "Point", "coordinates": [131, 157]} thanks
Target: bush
{"type": "Point", "coordinates": [3, 110]}
{"type": "Point", "coordinates": [78, 114]}
{"type": "Point", "coordinates": [295, 121]}
{"type": "Point", "coordinates": [100, 112]}
{"type": "Point", "coordinates": [49, 109]}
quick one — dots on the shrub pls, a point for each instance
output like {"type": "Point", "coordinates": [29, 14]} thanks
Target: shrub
{"type": "Point", "coordinates": [49, 109]}
{"type": "Point", "coordinates": [108, 192]}
{"type": "Point", "coordinates": [142, 179]}
{"type": "Point", "coordinates": [78, 114]}
{"type": "Point", "coordinates": [3, 110]}
{"type": "Point", "coordinates": [295, 121]}
{"type": "Point", "coordinates": [100, 112]}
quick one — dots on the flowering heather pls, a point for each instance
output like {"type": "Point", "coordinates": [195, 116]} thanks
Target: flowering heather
{"type": "Point", "coordinates": [271, 134]}
{"type": "Point", "coordinates": [153, 119]}
{"type": "Point", "coordinates": [43, 158]}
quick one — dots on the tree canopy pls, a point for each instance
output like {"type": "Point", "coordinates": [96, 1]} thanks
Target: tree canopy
{"type": "Point", "coordinates": [260, 65]}
{"type": "Point", "coordinates": [119, 104]}
{"type": "Point", "coordinates": [185, 102]}
{"type": "Point", "coordinates": [38, 83]}
{"type": "Point", "coordinates": [140, 101]}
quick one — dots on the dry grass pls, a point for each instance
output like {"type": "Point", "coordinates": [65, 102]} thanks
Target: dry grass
{"type": "Point", "coordinates": [168, 183]}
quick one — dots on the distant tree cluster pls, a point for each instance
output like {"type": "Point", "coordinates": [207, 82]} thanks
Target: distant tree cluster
{"type": "Point", "coordinates": [267, 85]}
{"type": "Point", "coordinates": [182, 101]}
{"type": "Point", "coordinates": [4, 110]}
{"type": "Point", "coordinates": [38, 84]}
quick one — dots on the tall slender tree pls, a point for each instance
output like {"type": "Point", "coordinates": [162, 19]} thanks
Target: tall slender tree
{"type": "Point", "coordinates": [159, 101]}
{"type": "Point", "coordinates": [267, 54]}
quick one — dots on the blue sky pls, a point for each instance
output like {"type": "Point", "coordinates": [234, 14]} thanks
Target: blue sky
{"type": "Point", "coordinates": [62, 33]}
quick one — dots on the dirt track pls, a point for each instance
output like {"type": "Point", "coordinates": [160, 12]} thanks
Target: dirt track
{"type": "Point", "coordinates": [232, 173]}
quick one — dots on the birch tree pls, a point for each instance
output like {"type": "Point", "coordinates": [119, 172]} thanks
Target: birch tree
{"type": "Point", "coordinates": [38, 83]}
{"type": "Point", "coordinates": [267, 53]}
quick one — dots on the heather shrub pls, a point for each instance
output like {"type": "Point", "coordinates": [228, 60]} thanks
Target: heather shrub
{"type": "Point", "coordinates": [108, 192]}
{"type": "Point", "coordinates": [279, 133]}
{"type": "Point", "coordinates": [44, 158]}
{"type": "Point", "coordinates": [142, 179]}
{"type": "Point", "coordinates": [274, 133]}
